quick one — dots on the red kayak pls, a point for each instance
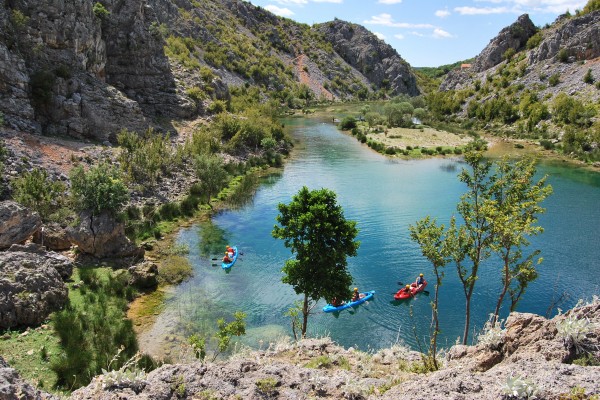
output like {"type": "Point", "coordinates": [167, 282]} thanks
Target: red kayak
{"type": "Point", "coordinates": [401, 294]}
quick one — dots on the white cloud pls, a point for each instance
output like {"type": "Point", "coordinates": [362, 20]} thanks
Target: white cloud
{"type": "Point", "coordinates": [291, 2]}
{"type": "Point", "coordinates": [481, 11]}
{"type": "Point", "coordinates": [379, 35]}
{"type": "Point", "coordinates": [544, 6]}
{"type": "Point", "coordinates": [441, 34]}
{"type": "Point", "coordinates": [415, 33]}
{"type": "Point", "coordinates": [389, 1]}
{"type": "Point", "coordinates": [328, 1]}
{"type": "Point", "coordinates": [283, 12]}
{"type": "Point", "coordinates": [442, 13]}
{"type": "Point", "coordinates": [387, 20]}
{"type": "Point", "coordinates": [399, 36]}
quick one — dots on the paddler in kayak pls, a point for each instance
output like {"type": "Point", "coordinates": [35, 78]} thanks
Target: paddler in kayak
{"type": "Point", "coordinates": [336, 302]}
{"type": "Point", "coordinates": [356, 296]}
{"type": "Point", "coordinates": [420, 281]}
{"type": "Point", "coordinates": [407, 290]}
{"type": "Point", "coordinates": [226, 258]}
{"type": "Point", "coordinates": [230, 251]}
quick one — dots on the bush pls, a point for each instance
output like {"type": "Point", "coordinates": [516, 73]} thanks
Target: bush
{"type": "Point", "coordinates": [554, 79]}
{"type": "Point", "coordinates": [546, 144]}
{"type": "Point", "coordinates": [195, 93]}
{"type": "Point", "coordinates": [100, 11]}
{"type": "Point", "coordinates": [534, 41]}
{"type": "Point", "coordinates": [588, 77]}
{"type": "Point", "coordinates": [217, 107]}
{"type": "Point", "coordinates": [100, 189]}
{"type": "Point", "coordinates": [35, 190]}
{"type": "Point", "coordinates": [563, 55]}
{"type": "Point", "coordinates": [348, 123]}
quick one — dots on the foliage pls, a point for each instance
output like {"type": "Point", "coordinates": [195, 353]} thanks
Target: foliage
{"type": "Point", "coordinates": [517, 387]}
{"type": "Point", "coordinates": [145, 157]}
{"type": "Point", "coordinates": [574, 331]}
{"type": "Point", "coordinates": [592, 5]}
{"type": "Point", "coordinates": [554, 79]}
{"type": "Point", "coordinates": [99, 189]}
{"type": "Point", "coordinates": [563, 55]}
{"type": "Point", "coordinates": [35, 190]}
{"type": "Point", "coordinates": [321, 362]}
{"type": "Point", "coordinates": [183, 50]}
{"type": "Point", "coordinates": [100, 11]}
{"type": "Point", "coordinates": [569, 110]}
{"type": "Point", "coordinates": [267, 386]}
{"type": "Point", "coordinates": [223, 336]}
{"type": "Point", "coordinates": [91, 329]}
{"type": "Point", "coordinates": [313, 226]}
{"type": "Point", "coordinates": [492, 335]}
{"type": "Point", "coordinates": [436, 247]}
{"type": "Point", "coordinates": [588, 77]}
{"type": "Point", "coordinates": [19, 19]}
{"type": "Point", "coordinates": [348, 123]}
{"type": "Point", "coordinates": [212, 175]}
{"type": "Point", "coordinates": [578, 393]}
{"type": "Point", "coordinates": [534, 41]}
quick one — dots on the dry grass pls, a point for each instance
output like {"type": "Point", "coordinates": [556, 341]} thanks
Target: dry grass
{"type": "Point", "coordinates": [422, 137]}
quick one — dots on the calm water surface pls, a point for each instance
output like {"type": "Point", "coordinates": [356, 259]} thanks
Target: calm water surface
{"type": "Point", "coordinates": [384, 197]}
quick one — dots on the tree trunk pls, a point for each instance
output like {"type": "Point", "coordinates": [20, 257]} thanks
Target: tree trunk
{"type": "Point", "coordinates": [503, 293]}
{"type": "Point", "coordinates": [467, 318]}
{"type": "Point", "coordinates": [305, 312]}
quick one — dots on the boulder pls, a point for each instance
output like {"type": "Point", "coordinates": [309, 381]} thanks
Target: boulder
{"type": "Point", "coordinates": [17, 223]}
{"type": "Point", "coordinates": [102, 236]}
{"type": "Point", "coordinates": [12, 387]}
{"type": "Point", "coordinates": [30, 288]}
{"type": "Point", "coordinates": [144, 275]}
{"type": "Point", "coordinates": [53, 236]}
{"type": "Point", "coordinates": [62, 264]}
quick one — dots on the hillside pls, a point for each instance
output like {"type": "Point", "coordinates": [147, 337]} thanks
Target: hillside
{"type": "Point", "coordinates": [87, 69]}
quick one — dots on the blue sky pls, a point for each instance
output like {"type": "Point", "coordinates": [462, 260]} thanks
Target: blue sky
{"type": "Point", "coordinates": [426, 33]}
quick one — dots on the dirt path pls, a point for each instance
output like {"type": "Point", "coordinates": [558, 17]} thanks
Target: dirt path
{"type": "Point", "coordinates": [316, 87]}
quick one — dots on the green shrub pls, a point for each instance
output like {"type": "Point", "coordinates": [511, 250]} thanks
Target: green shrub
{"type": "Point", "coordinates": [99, 189]}
{"type": "Point", "coordinates": [196, 94]}
{"type": "Point", "coordinates": [554, 79]}
{"type": "Point", "coordinates": [534, 41]}
{"type": "Point", "coordinates": [217, 107]}
{"type": "Point", "coordinates": [588, 77]}
{"type": "Point", "coordinates": [169, 211]}
{"type": "Point", "coordinates": [563, 55]}
{"type": "Point", "coordinates": [320, 362]}
{"type": "Point", "coordinates": [35, 190]}
{"type": "Point", "coordinates": [100, 11]}
{"type": "Point", "coordinates": [267, 386]}
{"type": "Point", "coordinates": [19, 19]}
{"type": "Point", "coordinates": [348, 123]}
{"type": "Point", "coordinates": [508, 54]}
{"type": "Point", "coordinates": [546, 144]}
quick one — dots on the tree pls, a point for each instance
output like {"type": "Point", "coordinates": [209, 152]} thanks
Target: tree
{"type": "Point", "coordinates": [212, 175]}
{"type": "Point", "coordinates": [35, 190]}
{"type": "Point", "coordinates": [435, 246]}
{"type": "Point", "coordinates": [471, 242]}
{"type": "Point", "coordinates": [513, 210]}
{"type": "Point", "coordinates": [99, 189]}
{"type": "Point", "coordinates": [313, 226]}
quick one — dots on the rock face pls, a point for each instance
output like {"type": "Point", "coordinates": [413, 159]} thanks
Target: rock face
{"type": "Point", "coordinates": [144, 275]}
{"type": "Point", "coordinates": [30, 286]}
{"type": "Point", "coordinates": [53, 237]}
{"type": "Point", "coordinates": [368, 54]}
{"type": "Point", "coordinates": [17, 223]}
{"type": "Point", "coordinates": [103, 237]}
{"type": "Point", "coordinates": [12, 387]}
{"type": "Point", "coordinates": [513, 37]}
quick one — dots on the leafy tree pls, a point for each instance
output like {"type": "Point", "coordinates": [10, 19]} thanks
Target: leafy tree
{"type": "Point", "coordinates": [436, 247]}
{"type": "Point", "coordinates": [348, 123]}
{"type": "Point", "coordinates": [515, 204]}
{"type": "Point", "coordinates": [373, 118]}
{"type": "Point", "coordinates": [592, 5]}
{"type": "Point", "coordinates": [35, 190]}
{"type": "Point", "coordinates": [226, 330]}
{"type": "Point", "coordinates": [472, 241]}
{"type": "Point", "coordinates": [212, 175]}
{"type": "Point", "coordinates": [304, 93]}
{"type": "Point", "coordinates": [313, 226]}
{"type": "Point", "coordinates": [99, 189]}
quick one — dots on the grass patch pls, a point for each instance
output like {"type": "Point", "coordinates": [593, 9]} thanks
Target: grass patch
{"type": "Point", "coordinates": [320, 363]}
{"type": "Point", "coordinates": [174, 269]}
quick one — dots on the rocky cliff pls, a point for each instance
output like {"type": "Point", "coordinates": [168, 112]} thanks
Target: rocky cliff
{"type": "Point", "coordinates": [530, 351]}
{"type": "Point", "coordinates": [87, 69]}
{"type": "Point", "coordinates": [576, 38]}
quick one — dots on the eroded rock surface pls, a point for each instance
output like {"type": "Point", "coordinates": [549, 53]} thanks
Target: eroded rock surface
{"type": "Point", "coordinates": [12, 387]}
{"type": "Point", "coordinates": [17, 223]}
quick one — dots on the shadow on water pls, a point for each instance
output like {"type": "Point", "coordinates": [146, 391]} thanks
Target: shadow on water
{"type": "Point", "coordinates": [212, 239]}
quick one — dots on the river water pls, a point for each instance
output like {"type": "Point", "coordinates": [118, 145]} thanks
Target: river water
{"type": "Point", "coordinates": [384, 196]}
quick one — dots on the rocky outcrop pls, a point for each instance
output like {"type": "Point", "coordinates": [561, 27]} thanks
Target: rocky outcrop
{"type": "Point", "coordinates": [17, 223]}
{"type": "Point", "coordinates": [580, 37]}
{"type": "Point", "coordinates": [144, 275]}
{"type": "Point", "coordinates": [103, 237]}
{"type": "Point", "coordinates": [513, 37]}
{"type": "Point", "coordinates": [53, 237]}
{"type": "Point", "coordinates": [30, 286]}
{"type": "Point", "coordinates": [530, 348]}
{"type": "Point", "coordinates": [375, 59]}
{"type": "Point", "coordinates": [12, 387]}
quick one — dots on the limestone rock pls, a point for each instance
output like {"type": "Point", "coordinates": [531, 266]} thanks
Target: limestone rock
{"type": "Point", "coordinates": [12, 387]}
{"type": "Point", "coordinates": [30, 288]}
{"type": "Point", "coordinates": [62, 264]}
{"type": "Point", "coordinates": [103, 236]}
{"type": "Point", "coordinates": [53, 237]}
{"type": "Point", "coordinates": [144, 275]}
{"type": "Point", "coordinates": [17, 223]}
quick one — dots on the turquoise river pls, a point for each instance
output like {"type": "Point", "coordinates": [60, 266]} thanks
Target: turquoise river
{"type": "Point", "coordinates": [384, 196]}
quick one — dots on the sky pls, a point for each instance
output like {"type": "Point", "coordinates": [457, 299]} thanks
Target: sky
{"type": "Point", "coordinates": [426, 33]}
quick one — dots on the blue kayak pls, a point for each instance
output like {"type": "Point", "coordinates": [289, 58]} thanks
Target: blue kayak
{"type": "Point", "coordinates": [367, 296]}
{"type": "Point", "coordinates": [225, 265]}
